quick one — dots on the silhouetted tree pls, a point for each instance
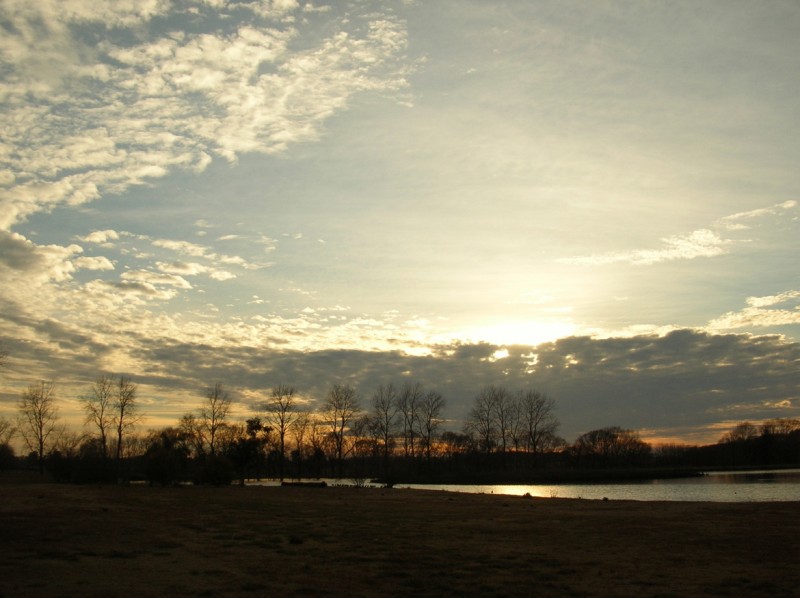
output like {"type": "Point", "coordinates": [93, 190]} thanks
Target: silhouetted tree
{"type": "Point", "coordinates": [299, 429]}
{"type": "Point", "coordinates": [741, 432]}
{"type": "Point", "coordinates": [7, 431]}
{"type": "Point", "coordinates": [340, 408]}
{"type": "Point", "coordinates": [383, 420]}
{"type": "Point", "coordinates": [166, 456]}
{"type": "Point", "coordinates": [317, 441]}
{"type": "Point", "coordinates": [38, 419]}
{"type": "Point", "coordinates": [781, 425]}
{"type": "Point", "coordinates": [7, 457]}
{"type": "Point", "coordinates": [281, 411]}
{"type": "Point", "coordinates": [503, 411]}
{"type": "Point", "coordinates": [454, 443]}
{"type": "Point", "coordinates": [430, 419]}
{"type": "Point", "coordinates": [126, 413]}
{"type": "Point", "coordinates": [242, 448]}
{"type": "Point", "coordinates": [99, 408]}
{"type": "Point", "coordinates": [192, 429]}
{"type": "Point", "coordinates": [214, 413]}
{"type": "Point", "coordinates": [613, 446]}
{"type": "Point", "coordinates": [481, 420]}
{"type": "Point", "coordinates": [407, 405]}
{"type": "Point", "coordinates": [538, 420]}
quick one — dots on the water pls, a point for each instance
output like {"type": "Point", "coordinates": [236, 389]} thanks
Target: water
{"type": "Point", "coordinates": [745, 486]}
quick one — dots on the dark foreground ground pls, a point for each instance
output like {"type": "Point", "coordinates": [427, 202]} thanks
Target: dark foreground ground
{"type": "Point", "coordinates": [59, 540]}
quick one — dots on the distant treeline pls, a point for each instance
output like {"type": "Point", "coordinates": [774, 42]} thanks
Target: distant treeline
{"type": "Point", "coordinates": [398, 437]}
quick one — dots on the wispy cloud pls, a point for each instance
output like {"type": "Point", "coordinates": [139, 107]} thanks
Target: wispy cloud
{"type": "Point", "coordinates": [699, 243]}
{"type": "Point", "coordinates": [761, 312]}
{"type": "Point", "coordinates": [737, 221]}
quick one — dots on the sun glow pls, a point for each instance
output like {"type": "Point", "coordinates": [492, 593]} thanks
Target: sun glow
{"type": "Point", "coordinates": [530, 333]}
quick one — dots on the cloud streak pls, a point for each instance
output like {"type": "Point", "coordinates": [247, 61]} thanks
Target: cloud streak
{"type": "Point", "coordinates": [701, 243]}
{"type": "Point", "coordinates": [697, 244]}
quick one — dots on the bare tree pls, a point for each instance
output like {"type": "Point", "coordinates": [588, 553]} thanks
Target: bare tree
{"type": "Point", "coordinates": [613, 446]}
{"type": "Point", "coordinates": [317, 442]}
{"type": "Point", "coordinates": [68, 443]}
{"type": "Point", "coordinates": [781, 425]}
{"type": "Point", "coordinates": [38, 419]}
{"type": "Point", "coordinates": [383, 419]}
{"type": "Point", "coordinates": [741, 432]}
{"type": "Point", "coordinates": [125, 412]}
{"type": "Point", "coordinates": [538, 421]}
{"type": "Point", "coordinates": [300, 428]}
{"type": "Point", "coordinates": [503, 409]}
{"type": "Point", "coordinates": [407, 405]}
{"type": "Point", "coordinates": [99, 409]}
{"type": "Point", "coordinates": [430, 419]}
{"type": "Point", "coordinates": [281, 411]}
{"type": "Point", "coordinates": [7, 431]}
{"type": "Point", "coordinates": [192, 430]}
{"type": "Point", "coordinates": [340, 408]}
{"type": "Point", "coordinates": [481, 420]}
{"type": "Point", "coordinates": [213, 414]}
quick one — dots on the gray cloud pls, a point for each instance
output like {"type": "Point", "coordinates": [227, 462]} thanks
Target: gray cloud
{"type": "Point", "coordinates": [685, 380]}
{"type": "Point", "coordinates": [36, 262]}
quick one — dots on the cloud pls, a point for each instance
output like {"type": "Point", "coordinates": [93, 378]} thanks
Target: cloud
{"type": "Point", "coordinates": [154, 279]}
{"type": "Point", "coordinates": [108, 293]}
{"type": "Point", "coordinates": [93, 116]}
{"type": "Point", "coordinates": [699, 243]}
{"type": "Point", "coordinates": [222, 275]}
{"type": "Point", "coordinates": [184, 247]}
{"type": "Point", "coordinates": [182, 268]}
{"type": "Point", "coordinates": [93, 263]}
{"type": "Point", "coordinates": [770, 300]}
{"type": "Point", "coordinates": [38, 263]}
{"type": "Point", "coordinates": [101, 236]}
{"type": "Point", "coordinates": [734, 221]}
{"type": "Point", "coordinates": [682, 379]}
{"type": "Point", "coordinates": [762, 312]}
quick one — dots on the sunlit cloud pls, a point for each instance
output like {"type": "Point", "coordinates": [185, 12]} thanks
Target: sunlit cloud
{"type": "Point", "coordinates": [101, 236]}
{"type": "Point", "coordinates": [737, 221]}
{"type": "Point", "coordinates": [701, 243]}
{"type": "Point", "coordinates": [697, 244]}
{"type": "Point", "coordinates": [761, 312]}
{"type": "Point", "coordinates": [93, 263]}
{"type": "Point", "coordinates": [171, 101]}
{"type": "Point", "coordinates": [525, 332]}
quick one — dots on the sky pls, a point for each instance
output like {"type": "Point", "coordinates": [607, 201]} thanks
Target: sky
{"type": "Point", "coordinates": [598, 200]}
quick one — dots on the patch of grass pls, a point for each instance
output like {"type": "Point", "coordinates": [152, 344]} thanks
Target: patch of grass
{"type": "Point", "coordinates": [122, 554]}
{"type": "Point", "coordinates": [340, 541]}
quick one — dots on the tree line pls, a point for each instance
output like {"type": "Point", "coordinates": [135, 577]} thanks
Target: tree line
{"type": "Point", "coordinates": [399, 433]}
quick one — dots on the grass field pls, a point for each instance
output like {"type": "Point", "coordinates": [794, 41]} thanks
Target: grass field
{"type": "Point", "coordinates": [60, 540]}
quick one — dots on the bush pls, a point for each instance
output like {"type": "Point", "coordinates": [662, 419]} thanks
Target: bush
{"type": "Point", "coordinates": [214, 470]}
{"type": "Point", "coordinates": [7, 459]}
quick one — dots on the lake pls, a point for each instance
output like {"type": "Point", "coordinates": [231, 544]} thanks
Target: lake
{"type": "Point", "coordinates": [715, 486]}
